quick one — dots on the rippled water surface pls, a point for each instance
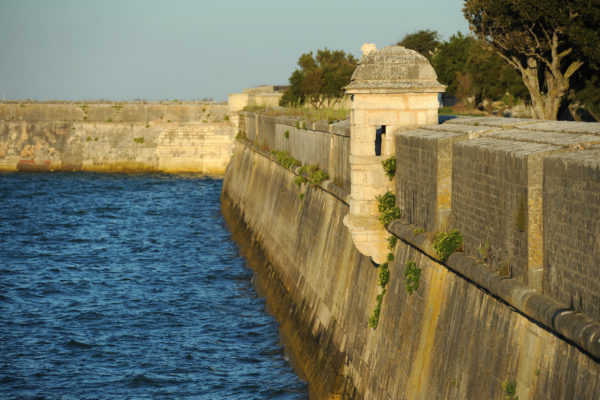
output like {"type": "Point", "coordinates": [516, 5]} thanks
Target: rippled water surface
{"type": "Point", "coordinates": [129, 286]}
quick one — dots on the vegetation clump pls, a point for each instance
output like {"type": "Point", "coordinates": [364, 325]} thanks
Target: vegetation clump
{"type": "Point", "coordinates": [374, 318]}
{"type": "Point", "coordinates": [317, 176]}
{"type": "Point", "coordinates": [447, 243]}
{"type": "Point", "coordinates": [510, 390]}
{"type": "Point", "coordinates": [388, 210]}
{"type": "Point", "coordinates": [383, 278]}
{"type": "Point", "coordinates": [139, 140]}
{"type": "Point", "coordinates": [412, 273]}
{"type": "Point", "coordinates": [389, 166]}
{"type": "Point", "coordinates": [300, 180]}
{"type": "Point", "coordinates": [284, 158]}
{"type": "Point", "coordinates": [392, 240]}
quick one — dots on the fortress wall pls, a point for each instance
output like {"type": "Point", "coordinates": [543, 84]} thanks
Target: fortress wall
{"type": "Point", "coordinates": [311, 143]}
{"type": "Point", "coordinates": [116, 112]}
{"type": "Point", "coordinates": [522, 193]}
{"type": "Point", "coordinates": [100, 137]}
{"type": "Point", "coordinates": [450, 339]}
{"type": "Point", "coordinates": [487, 178]}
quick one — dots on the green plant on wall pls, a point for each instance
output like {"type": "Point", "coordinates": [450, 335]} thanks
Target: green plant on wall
{"type": "Point", "coordinates": [392, 240]}
{"type": "Point", "coordinates": [284, 158]}
{"type": "Point", "coordinates": [300, 180]}
{"type": "Point", "coordinates": [286, 134]}
{"type": "Point", "coordinates": [447, 243]}
{"type": "Point", "coordinates": [384, 274]}
{"type": "Point", "coordinates": [317, 176]}
{"type": "Point", "coordinates": [389, 166]}
{"type": "Point", "coordinates": [510, 390]}
{"type": "Point", "coordinates": [383, 278]}
{"type": "Point", "coordinates": [374, 318]}
{"type": "Point", "coordinates": [387, 208]}
{"type": "Point", "coordinates": [412, 274]}
{"type": "Point", "coordinates": [485, 253]}
{"type": "Point", "coordinates": [139, 140]}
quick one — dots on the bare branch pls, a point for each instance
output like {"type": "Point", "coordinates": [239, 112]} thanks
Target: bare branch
{"type": "Point", "coordinates": [571, 69]}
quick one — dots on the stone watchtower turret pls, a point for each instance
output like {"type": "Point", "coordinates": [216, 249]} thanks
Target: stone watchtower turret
{"type": "Point", "coordinates": [392, 89]}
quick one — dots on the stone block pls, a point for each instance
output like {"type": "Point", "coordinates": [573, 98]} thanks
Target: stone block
{"type": "Point", "coordinates": [572, 228]}
{"type": "Point", "coordinates": [363, 132]}
{"type": "Point", "coordinates": [362, 147]}
{"type": "Point", "coordinates": [382, 102]}
{"type": "Point", "coordinates": [363, 207]}
{"type": "Point", "coordinates": [422, 101]}
{"type": "Point", "coordinates": [382, 117]}
{"type": "Point", "coordinates": [424, 176]}
{"type": "Point", "coordinates": [496, 201]}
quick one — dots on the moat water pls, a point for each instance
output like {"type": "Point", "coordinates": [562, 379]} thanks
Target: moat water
{"type": "Point", "coordinates": [129, 286]}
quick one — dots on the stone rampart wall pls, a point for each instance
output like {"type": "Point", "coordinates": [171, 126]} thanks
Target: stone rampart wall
{"type": "Point", "coordinates": [115, 112]}
{"type": "Point", "coordinates": [115, 137]}
{"type": "Point", "coordinates": [448, 340]}
{"type": "Point", "coordinates": [327, 145]}
{"type": "Point", "coordinates": [523, 194]}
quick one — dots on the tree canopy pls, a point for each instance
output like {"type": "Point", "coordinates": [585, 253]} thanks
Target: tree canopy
{"type": "Point", "coordinates": [470, 70]}
{"type": "Point", "coordinates": [424, 41]}
{"type": "Point", "coordinates": [320, 79]}
{"type": "Point", "coordinates": [549, 42]}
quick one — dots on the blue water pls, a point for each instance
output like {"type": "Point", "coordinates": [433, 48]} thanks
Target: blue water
{"type": "Point", "coordinates": [129, 286]}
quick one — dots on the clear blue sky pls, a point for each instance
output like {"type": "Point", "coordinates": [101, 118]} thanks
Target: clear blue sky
{"type": "Point", "coordinates": [189, 49]}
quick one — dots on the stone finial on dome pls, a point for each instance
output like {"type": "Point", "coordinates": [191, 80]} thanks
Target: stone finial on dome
{"type": "Point", "coordinates": [394, 69]}
{"type": "Point", "coordinates": [368, 48]}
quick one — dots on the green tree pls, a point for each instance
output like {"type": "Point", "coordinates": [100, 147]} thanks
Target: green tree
{"type": "Point", "coordinates": [470, 69]}
{"type": "Point", "coordinates": [320, 79]}
{"type": "Point", "coordinates": [491, 77]}
{"type": "Point", "coordinates": [423, 41]}
{"type": "Point", "coordinates": [546, 41]}
{"type": "Point", "coordinates": [450, 61]}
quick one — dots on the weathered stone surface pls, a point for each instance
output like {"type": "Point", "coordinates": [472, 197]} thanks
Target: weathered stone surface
{"type": "Point", "coordinates": [496, 201]}
{"type": "Point", "coordinates": [424, 176]}
{"type": "Point", "coordinates": [572, 230]}
{"type": "Point", "coordinates": [115, 137]}
{"type": "Point", "coordinates": [394, 69]}
{"type": "Point", "coordinates": [327, 146]}
{"type": "Point", "coordinates": [449, 340]}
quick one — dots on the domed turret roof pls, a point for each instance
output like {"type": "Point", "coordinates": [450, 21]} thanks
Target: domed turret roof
{"type": "Point", "coordinates": [394, 69]}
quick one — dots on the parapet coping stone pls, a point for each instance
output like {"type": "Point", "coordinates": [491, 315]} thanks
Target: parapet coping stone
{"type": "Point", "coordinates": [589, 158]}
{"type": "Point", "coordinates": [554, 315]}
{"type": "Point", "coordinates": [592, 128]}
{"type": "Point", "coordinates": [546, 137]}
{"type": "Point", "coordinates": [431, 134]}
{"type": "Point", "coordinates": [499, 122]}
{"type": "Point", "coordinates": [516, 148]}
{"type": "Point", "coordinates": [474, 131]}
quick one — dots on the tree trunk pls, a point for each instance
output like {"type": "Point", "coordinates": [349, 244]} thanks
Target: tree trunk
{"type": "Point", "coordinates": [545, 105]}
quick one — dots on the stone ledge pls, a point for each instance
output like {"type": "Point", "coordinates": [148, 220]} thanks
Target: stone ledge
{"type": "Point", "coordinates": [578, 328]}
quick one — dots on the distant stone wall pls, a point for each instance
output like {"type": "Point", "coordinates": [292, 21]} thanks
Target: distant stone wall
{"type": "Point", "coordinates": [309, 142]}
{"type": "Point", "coordinates": [522, 193]}
{"type": "Point", "coordinates": [115, 137]}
